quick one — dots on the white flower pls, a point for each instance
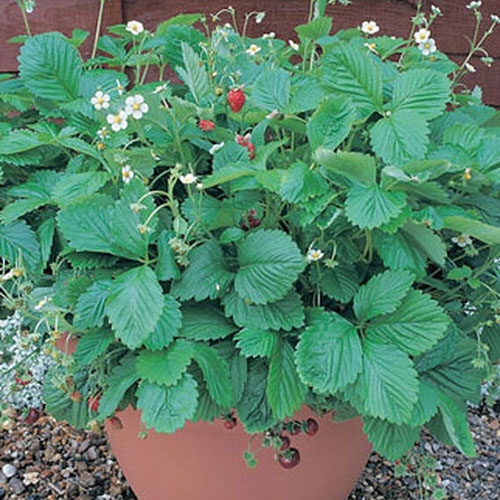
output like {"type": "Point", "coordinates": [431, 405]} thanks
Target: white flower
{"type": "Point", "coordinates": [199, 186]}
{"type": "Point", "coordinates": [260, 17]}
{"type": "Point", "coordinates": [314, 255]}
{"type": "Point", "coordinates": [119, 87]}
{"type": "Point", "coordinates": [135, 27]}
{"type": "Point", "coordinates": [428, 47]}
{"type": "Point", "coordinates": [188, 178]}
{"type": "Point", "coordinates": [253, 49]}
{"type": "Point", "coordinates": [295, 46]}
{"type": "Point", "coordinates": [160, 88]}
{"type": "Point", "coordinates": [103, 133]}
{"type": "Point", "coordinates": [470, 68]}
{"type": "Point", "coordinates": [474, 5]}
{"type": "Point", "coordinates": [271, 35]}
{"type": "Point", "coordinates": [370, 27]}
{"type": "Point", "coordinates": [462, 241]}
{"type": "Point", "coordinates": [100, 100]}
{"type": "Point", "coordinates": [127, 174]}
{"type": "Point", "coordinates": [118, 122]}
{"type": "Point", "coordinates": [41, 303]}
{"type": "Point", "coordinates": [29, 6]}
{"type": "Point", "coordinates": [137, 207]}
{"type": "Point", "coordinates": [422, 35]}
{"type": "Point", "coordinates": [436, 10]}
{"type": "Point", "coordinates": [136, 107]}
{"type": "Point", "coordinates": [372, 47]}
{"type": "Point", "coordinates": [215, 148]}
{"type": "Point", "coordinates": [495, 18]}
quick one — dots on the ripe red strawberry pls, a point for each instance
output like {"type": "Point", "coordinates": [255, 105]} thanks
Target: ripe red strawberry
{"type": "Point", "coordinates": [94, 402]}
{"type": "Point", "coordinates": [251, 150]}
{"type": "Point", "coordinates": [206, 125]}
{"type": "Point", "coordinates": [312, 427]}
{"type": "Point", "coordinates": [32, 417]}
{"type": "Point", "coordinates": [116, 423]}
{"type": "Point", "coordinates": [230, 424]}
{"type": "Point", "coordinates": [285, 443]}
{"type": "Point", "coordinates": [290, 458]}
{"type": "Point", "coordinates": [236, 99]}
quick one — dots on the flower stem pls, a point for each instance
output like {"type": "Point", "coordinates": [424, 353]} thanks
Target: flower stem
{"type": "Point", "coordinates": [98, 27]}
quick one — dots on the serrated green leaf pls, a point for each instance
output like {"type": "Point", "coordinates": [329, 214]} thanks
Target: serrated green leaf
{"type": "Point", "coordinates": [18, 245]}
{"type": "Point", "coordinates": [285, 390]}
{"type": "Point", "coordinates": [340, 283]}
{"type": "Point", "coordinates": [427, 404]}
{"type": "Point", "coordinates": [253, 342]}
{"type": "Point", "coordinates": [350, 72]}
{"type": "Point", "coordinates": [50, 67]}
{"type": "Point", "coordinates": [45, 234]}
{"type": "Point", "coordinates": [416, 325]}
{"type": "Point", "coordinates": [421, 90]}
{"type": "Point", "coordinates": [216, 373]}
{"type": "Point", "coordinates": [382, 294]}
{"type": "Point", "coordinates": [207, 274]}
{"type": "Point", "coordinates": [300, 182]}
{"type": "Point", "coordinates": [390, 440]}
{"type": "Point", "coordinates": [194, 73]}
{"type": "Point", "coordinates": [134, 305]}
{"type": "Point", "coordinates": [400, 138]}
{"type": "Point", "coordinates": [269, 263]}
{"type": "Point", "coordinates": [237, 366]}
{"type": "Point", "coordinates": [72, 187]}
{"type": "Point", "coordinates": [491, 337]}
{"type": "Point", "coordinates": [272, 89]}
{"type": "Point", "coordinates": [387, 386]}
{"type": "Point", "coordinates": [166, 409]}
{"type": "Point", "coordinates": [204, 322]}
{"type": "Point", "coordinates": [118, 382]}
{"type": "Point", "coordinates": [167, 326]}
{"type": "Point", "coordinates": [283, 314]}
{"type": "Point", "coordinates": [483, 232]}
{"type": "Point", "coordinates": [329, 353]}
{"type": "Point", "coordinates": [91, 345]}
{"type": "Point", "coordinates": [355, 166]}
{"type": "Point", "coordinates": [90, 308]}
{"type": "Point", "coordinates": [167, 267]}
{"type": "Point", "coordinates": [318, 28]}
{"type": "Point", "coordinates": [167, 366]}
{"type": "Point", "coordinates": [371, 206]}
{"type": "Point", "coordinates": [331, 123]}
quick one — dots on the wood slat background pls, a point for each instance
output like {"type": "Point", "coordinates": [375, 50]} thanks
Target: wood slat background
{"type": "Point", "coordinates": [393, 16]}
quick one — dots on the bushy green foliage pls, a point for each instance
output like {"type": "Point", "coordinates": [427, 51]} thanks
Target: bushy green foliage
{"type": "Point", "coordinates": [334, 242]}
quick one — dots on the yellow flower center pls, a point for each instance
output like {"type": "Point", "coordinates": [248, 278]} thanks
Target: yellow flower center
{"type": "Point", "coordinates": [136, 107]}
{"type": "Point", "coordinates": [118, 119]}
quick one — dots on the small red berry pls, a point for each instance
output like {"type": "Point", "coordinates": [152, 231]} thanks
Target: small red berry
{"type": "Point", "coordinates": [116, 423]}
{"type": "Point", "coordinates": [32, 417]}
{"type": "Point", "coordinates": [285, 443]}
{"type": "Point", "coordinates": [251, 150]}
{"type": "Point", "coordinates": [289, 459]}
{"type": "Point", "coordinates": [94, 402]}
{"type": "Point", "coordinates": [236, 99]}
{"type": "Point", "coordinates": [312, 427]}
{"type": "Point", "coordinates": [206, 125]}
{"type": "Point", "coordinates": [23, 380]}
{"type": "Point", "coordinates": [230, 424]}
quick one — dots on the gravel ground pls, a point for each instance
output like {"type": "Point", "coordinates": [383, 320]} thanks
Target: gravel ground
{"type": "Point", "coordinates": [49, 460]}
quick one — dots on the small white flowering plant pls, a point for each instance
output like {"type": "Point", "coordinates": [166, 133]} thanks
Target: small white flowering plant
{"type": "Point", "coordinates": [314, 222]}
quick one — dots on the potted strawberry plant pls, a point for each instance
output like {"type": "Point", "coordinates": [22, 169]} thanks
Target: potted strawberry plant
{"type": "Point", "coordinates": [288, 253]}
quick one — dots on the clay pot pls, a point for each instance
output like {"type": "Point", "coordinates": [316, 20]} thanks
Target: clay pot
{"type": "Point", "coordinates": [205, 462]}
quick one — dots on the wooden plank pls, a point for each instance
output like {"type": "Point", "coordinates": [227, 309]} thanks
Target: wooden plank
{"type": "Point", "coordinates": [52, 15]}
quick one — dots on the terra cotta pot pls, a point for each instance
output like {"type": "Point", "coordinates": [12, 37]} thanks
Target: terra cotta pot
{"type": "Point", "coordinates": [205, 462]}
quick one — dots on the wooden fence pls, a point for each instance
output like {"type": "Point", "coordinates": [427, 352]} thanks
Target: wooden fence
{"type": "Point", "coordinates": [393, 16]}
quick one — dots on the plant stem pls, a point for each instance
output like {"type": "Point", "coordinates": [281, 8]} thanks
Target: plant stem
{"type": "Point", "coordinates": [25, 18]}
{"type": "Point", "coordinates": [98, 27]}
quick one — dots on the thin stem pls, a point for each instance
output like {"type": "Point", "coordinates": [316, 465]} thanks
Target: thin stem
{"type": "Point", "coordinates": [25, 18]}
{"type": "Point", "coordinates": [98, 27]}
{"type": "Point", "coordinates": [412, 32]}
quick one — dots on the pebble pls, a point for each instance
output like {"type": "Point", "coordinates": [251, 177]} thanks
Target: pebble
{"type": "Point", "coordinates": [9, 471]}
{"type": "Point", "coordinates": [16, 486]}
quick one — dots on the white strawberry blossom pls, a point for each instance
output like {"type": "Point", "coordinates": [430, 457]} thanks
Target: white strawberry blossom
{"type": "Point", "coordinates": [428, 47]}
{"type": "Point", "coordinates": [470, 68]}
{"type": "Point", "coordinates": [474, 5]}
{"type": "Point", "coordinates": [260, 17]}
{"type": "Point", "coordinates": [127, 174]}
{"type": "Point", "coordinates": [495, 18]}
{"type": "Point", "coordinates": [136, 107]}
{"type": "Point", "coordinates": [100, 100]}
{"type": "Point", "coordinates": [422, 35]}
{"type": "Point", "coordinates": [160, 88]}
{"type": "Point", "coordinates": [295, 46]}
{"type": "Point", "coordinates": [188, 179]}
{"type": "Point", "coordinates": [216, 147]}
{"type": "Point", "coordinates": [462, 241]}
{"type": "Point", "coordinates": [29, 6]}
{"type": "Point", "coordinates": [370, 27]}
{"type": "Point", "coordinates": [436, 10]}
{"type": "Point", "coordinates": [119, 121]}
{"type": "Point", "coordinates": [253, 49]}
{"type": "Point", "coordinates": [103, 133]}
{"type": "Point", "coordinates": [314, 255]}
{"type": "Point", "coordinates": [135, 27]}
{"type": "Point", "coordinates": [119, 87]}
{"type": "Point", "coordinates": [267, 36]}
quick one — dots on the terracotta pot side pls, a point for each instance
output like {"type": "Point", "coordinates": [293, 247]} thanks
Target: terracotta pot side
{"type": "Point", "coordinates": [205, 462]}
